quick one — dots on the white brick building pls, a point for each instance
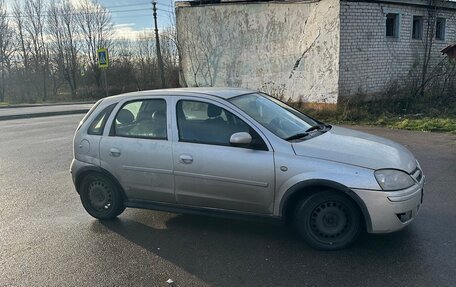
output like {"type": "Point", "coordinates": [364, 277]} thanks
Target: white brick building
{"type": "Point", "coordinates": [313, 50]}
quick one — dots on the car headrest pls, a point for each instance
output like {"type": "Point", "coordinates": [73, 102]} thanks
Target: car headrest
{"type": "Point", "coordinates": [213, 111]}
{"type": "Point", "coordinates": [125, 117]}
{"type": "Point", "coordinates": [144, 116]}
{"type": "Point", "coordinates": [159, 116]}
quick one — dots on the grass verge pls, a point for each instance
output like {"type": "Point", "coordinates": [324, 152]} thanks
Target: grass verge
{"type": "Point", "coordinates": [424, 124]}
{"type": "Point", "coordinates": [416, 122]}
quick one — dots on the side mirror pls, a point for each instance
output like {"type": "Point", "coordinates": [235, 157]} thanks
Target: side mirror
{"type": "Point", "coordinates": [241, 139]}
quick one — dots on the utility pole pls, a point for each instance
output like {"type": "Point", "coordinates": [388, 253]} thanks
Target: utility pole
{"type": "Point", "coordinates": [157, 44]}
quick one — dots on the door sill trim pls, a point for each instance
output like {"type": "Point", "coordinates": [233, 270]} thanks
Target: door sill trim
{"type": "Point", "coordinates": [186, 209]}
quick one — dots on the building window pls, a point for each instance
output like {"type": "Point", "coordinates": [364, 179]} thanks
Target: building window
{"type": "Point", "coordinates": [392, 25]}
{"type": "Point", "coordinates": [440, 29]}
{"type": "Point", "coordinates": [417, 29]}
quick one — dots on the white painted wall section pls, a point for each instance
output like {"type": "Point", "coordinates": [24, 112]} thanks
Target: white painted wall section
{"type": "Point", "coordinates": [285, 48]}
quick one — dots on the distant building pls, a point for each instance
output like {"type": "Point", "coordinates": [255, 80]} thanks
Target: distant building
{"type": "Point", "coordinates": [316, 51]}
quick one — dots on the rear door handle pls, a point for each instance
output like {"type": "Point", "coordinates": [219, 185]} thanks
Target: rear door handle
{"type": "Point", "coordinates": [114, 152]}
{"type": "Point", "coordinates": [185, 158]}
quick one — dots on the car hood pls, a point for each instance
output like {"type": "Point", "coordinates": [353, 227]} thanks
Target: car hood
{"type": "Point", "coordinates": [357, 148]}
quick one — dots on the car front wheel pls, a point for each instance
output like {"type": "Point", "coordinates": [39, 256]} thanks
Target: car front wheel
{"type": "Point", "coordinates": [100, 197]}
{"type": "Point", "coordinates": [328, 220]}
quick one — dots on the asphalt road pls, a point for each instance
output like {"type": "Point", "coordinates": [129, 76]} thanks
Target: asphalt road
{"type": "Point", "coordinates": [47, 239]}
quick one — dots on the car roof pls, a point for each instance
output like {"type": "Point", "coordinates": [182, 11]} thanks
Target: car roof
{"type": "Point", "coordinates": [225, 93]}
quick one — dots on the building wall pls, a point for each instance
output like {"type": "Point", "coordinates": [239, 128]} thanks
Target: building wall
{"type": "Point", "coordinates": [282, 48]}
{"type": "Point", "coordinates": [369, 61]}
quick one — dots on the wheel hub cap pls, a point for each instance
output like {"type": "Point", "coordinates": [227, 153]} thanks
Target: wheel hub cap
{"type": "Point", "coordinates": [330, 220]}
{"type": "Point", "coordinates": [100, 195]}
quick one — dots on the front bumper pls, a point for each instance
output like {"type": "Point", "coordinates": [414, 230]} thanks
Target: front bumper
{"type": "Point", "coordinates": [391, 211]}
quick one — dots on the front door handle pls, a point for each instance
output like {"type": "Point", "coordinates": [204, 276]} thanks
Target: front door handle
{"type": "Point", "coordinates": [185, 158]}
{"type": "Point", "coordinates": [114, 152]}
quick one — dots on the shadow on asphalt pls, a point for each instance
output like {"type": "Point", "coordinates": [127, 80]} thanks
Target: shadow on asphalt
{"type": "Point", "coordinates": [208, 247]}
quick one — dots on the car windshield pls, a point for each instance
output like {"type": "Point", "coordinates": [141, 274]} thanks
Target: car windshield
{"type": "Point", "coordinates": [279, 118]}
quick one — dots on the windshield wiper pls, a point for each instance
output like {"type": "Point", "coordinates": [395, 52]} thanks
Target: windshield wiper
{"type": "Point", "coordinates": [317, 127]}
{"type": "Point", "coordinates": [297, 136]}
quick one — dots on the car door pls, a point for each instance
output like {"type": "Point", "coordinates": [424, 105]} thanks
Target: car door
{"type": "Point", "coordinates": [209, 172]}
{"type": "Point", "coordinates": [137, 150]}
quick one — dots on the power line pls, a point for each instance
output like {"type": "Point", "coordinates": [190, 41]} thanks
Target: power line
{"type": "Point", "coordinates": [167, 5]}
{"type": "Point", "coordinates": [127, 5]}
{"type": "Point", "coordinates": [168, 11]}
{"type": "Point", "coordinates": [132, 10]}
{"type": "Point", "coordinates": [49, 13]}
{"type": "Point", "coordinates": [136, 15]}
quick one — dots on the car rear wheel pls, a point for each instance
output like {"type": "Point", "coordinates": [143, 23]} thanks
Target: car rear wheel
{"type": "Point", "coordinates": [328, 220]}
{"type": "Point", "coordinates": [100, 197]}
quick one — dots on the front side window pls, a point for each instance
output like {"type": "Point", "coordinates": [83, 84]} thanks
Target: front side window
{"type": "Point", "coordinates": [277, 117]}
{"type": "Point", "coordinates": [141, 119]}
{"type": "Point", "coordinates": [440, 29]}
{"type": "Point", "coordinates": [201, 122]}
{"type": "Point", "coordinates": [392, 25]}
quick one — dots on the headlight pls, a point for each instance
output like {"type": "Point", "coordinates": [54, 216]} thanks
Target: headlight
{"type": "Point", "coordinates": [391, 179]}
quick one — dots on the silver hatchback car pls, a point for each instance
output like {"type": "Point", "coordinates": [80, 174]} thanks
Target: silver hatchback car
{"type": "Point", "coordinates": [240, 152]}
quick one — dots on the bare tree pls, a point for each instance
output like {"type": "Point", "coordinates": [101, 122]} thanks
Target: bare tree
{"type": "Point", "coordinates": [96, 29]}
{"type": "Point", "coordinates": [52, 42]}
{"type": "Point", "coordinates": [123, 66]}
{"type": "Point", "coordinates": [172, 36]}
{"type": "Point", "coordinates": [145, 54]}
{"type": "Point", "coordinates": [24, 75]}
{"type": "Point", "coordinates": [171, 57]}
{"type": "Point", "coordinates": [34, 26]}
{"type": "Point", "coordinates": [428, 41]}
{"type": "Point", "coordinates": [62, 27]}
{"type": "Point", "coordinates": [6, 47]}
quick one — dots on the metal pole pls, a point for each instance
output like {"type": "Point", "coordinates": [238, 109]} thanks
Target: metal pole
{"type": "Point", "coordinates": [157, 44]}
{"type": "Point", "coordinates": [106, 81]}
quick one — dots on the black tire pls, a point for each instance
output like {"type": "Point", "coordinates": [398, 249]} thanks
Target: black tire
{"type": "Point", "coordinates": [328, 220]}
{"type": "Point", "coordinates": [100, 197]}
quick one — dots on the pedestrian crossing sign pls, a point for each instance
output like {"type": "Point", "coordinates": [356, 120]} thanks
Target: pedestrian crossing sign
{"type": "Point", "coordinates": [103, 59]}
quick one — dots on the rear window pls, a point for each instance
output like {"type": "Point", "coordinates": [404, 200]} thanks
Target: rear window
{"type": "Point", "coordinates": [97, 125]}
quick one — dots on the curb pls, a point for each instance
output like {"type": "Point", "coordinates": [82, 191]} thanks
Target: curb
{"type": "Point", "coordinates": [46, 105]}
{"type": "Point", "coordinates": [43, 114]}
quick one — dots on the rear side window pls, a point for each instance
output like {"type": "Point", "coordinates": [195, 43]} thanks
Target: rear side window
{"type": "Point", "coordinates": [141, 119]}
{"type": "Point", "coordinates": [92, 109]}
{"type": "Point", "coordinates": [97, 125]}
